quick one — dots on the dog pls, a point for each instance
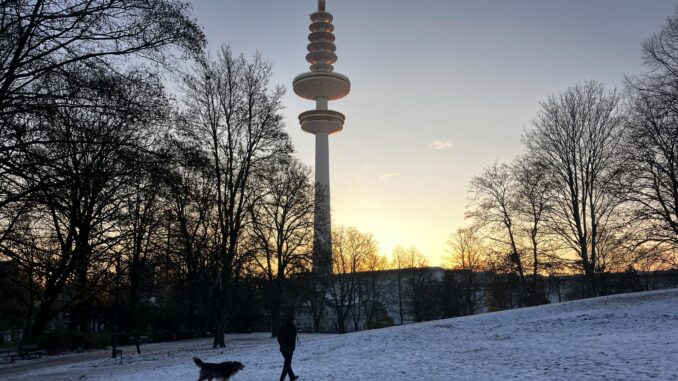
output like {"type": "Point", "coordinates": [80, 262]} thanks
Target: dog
{"type": "Point", "coordinates": [221, 371]}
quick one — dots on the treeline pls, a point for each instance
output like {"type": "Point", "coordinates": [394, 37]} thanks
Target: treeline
{"type": "Point", "coordinates": [595, 191]}
{"type": "Point", "coordinates": [123, 208]}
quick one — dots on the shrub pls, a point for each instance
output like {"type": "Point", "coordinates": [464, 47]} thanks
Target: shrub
{"type": "Point", "coordinates": [55, 342]}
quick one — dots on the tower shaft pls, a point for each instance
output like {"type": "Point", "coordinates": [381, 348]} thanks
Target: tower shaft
{"type": "Point", "coordinates": [322, 234]}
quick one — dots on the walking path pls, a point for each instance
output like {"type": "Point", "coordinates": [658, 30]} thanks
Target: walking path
{"type": "Point", "coordinates": [11, 371]}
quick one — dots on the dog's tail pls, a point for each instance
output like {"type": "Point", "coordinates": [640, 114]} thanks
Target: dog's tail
{"type": "Point", "coordinates": [198, 362]}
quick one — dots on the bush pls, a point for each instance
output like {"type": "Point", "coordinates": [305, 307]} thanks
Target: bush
{"type": "Point", "coordinates": [55, 342]}
{"type": "Point", "coordinates": [381, 318]}
{"type": "Point", "coordinates": [180, 334]}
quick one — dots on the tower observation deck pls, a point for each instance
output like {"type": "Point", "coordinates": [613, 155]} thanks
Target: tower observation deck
{"type": "Point", "coordinates": [321, 84]}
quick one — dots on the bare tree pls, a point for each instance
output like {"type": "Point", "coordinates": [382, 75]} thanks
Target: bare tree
{"type": "Point", "coordinates": [466, 253]}
{"type": "Point", "coordinates": [140, 221]}
{"type": "Point", "coordinates": [398, 264]}
{"type": "Point", "coordinates": [95, 145]}
{"type": "Point", "coordinates": [495, 207]}
{"type": "Point", "coordinates": [651, 142]}
{"type": "Point", "coordinates": [651, 138]}
{"type": "Point", "coordinates": [368, 288]}
{"type": "Point", "coordinates": [411, 278]}
{"type": "Point", "coordinates": [372, 285]}
{"type": "Point", "coordinates": [236, 117]}
{"type": "Point", "coordinates": [59, 38]}
{"type": "Point", "coordinates": [577, 135]}
{"type": "Point", "coordinates": [532, 192]}
{"type": "Point", "coordinates": [49, 52]}
{"type": "Point", "coordinates": [188, 192]}
{"type": "Point", "coordinates": [418, 281]}
{"type": "Point", "coordinates": [351, 250]}
{"type": "Point", "coordinates": [45, 37]}
{"type": "Point", "coordinates": [282, 227]}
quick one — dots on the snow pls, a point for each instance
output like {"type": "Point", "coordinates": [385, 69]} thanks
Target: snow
{"type": "Point", "coordinates": [622, 337]}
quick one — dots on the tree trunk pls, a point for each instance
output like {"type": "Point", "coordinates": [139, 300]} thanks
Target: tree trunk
{"type": "Point", "coordinates": [220, 322]}
{"type": "Point", "coordinates": [276, 302]}
{"type": "Point", "coordinates": [220, 312]}
{"type": "Point", "coordinates": [191, 299]}
{"type": "Point", "coordinates": [41, 319]}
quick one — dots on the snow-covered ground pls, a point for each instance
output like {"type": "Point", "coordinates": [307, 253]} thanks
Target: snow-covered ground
{"type": "Point", "coordinates": [622, 337]}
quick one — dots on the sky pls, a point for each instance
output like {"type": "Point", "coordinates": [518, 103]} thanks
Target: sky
{"type": "Point", "coordinates": [440, 89]}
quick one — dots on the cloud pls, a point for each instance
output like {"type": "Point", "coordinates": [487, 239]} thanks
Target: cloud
{"type": "Point", "coordinates": [441, 144]}
{"type": "Point", "coordinates": [387, 176]}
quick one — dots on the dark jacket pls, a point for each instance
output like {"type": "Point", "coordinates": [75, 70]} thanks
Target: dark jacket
{"type": "Point", "coordinates": [287, 337]}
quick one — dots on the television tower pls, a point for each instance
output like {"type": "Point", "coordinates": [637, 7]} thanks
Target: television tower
{"type": "Point", "coordinates": [321, 85]}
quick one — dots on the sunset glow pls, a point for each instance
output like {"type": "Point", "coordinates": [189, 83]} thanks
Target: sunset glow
{"type": "Point", "coordinates": [419, 123]}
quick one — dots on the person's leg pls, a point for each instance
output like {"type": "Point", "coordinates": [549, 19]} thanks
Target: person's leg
{"type": "Point", "coordinates": [291, 373]}
{"type": "Point", "coordinates": [287, 366]}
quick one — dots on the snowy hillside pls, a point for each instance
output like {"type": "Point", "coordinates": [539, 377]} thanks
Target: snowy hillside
{"type": "Point", "coordinates": [623, 337]}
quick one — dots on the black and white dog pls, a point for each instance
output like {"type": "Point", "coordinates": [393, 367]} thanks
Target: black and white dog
{"type": "Point", "coordinates": [222, 371]}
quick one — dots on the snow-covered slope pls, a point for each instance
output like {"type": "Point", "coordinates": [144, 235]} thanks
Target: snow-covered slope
{"type": "Point", "coordinates": [623, 337]}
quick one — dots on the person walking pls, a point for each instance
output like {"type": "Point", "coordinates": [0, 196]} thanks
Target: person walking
{"type": "Point", "coordinates": [287, 338]}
